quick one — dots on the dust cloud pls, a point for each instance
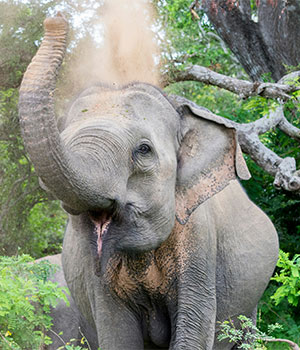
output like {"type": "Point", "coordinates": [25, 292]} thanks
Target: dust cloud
{"type": "Point", "coordinates": [128, 50]}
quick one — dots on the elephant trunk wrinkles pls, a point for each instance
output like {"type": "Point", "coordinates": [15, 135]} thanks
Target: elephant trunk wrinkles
{"type": "Point", "coordinates": [62, 171]}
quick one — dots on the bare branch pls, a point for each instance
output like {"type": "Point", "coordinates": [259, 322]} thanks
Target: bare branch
{"type": "Point", "coordinates": [194, 5]}
{"type": "Point", "coordinates": [194, 14]}
{"type": "Point", "coordinates": [242, 88]}
{"type": "Point", "coordinates": [291, 344]}
{"type": "Point", "coordinates": [264, 124]}
{"type": "Point", "coordinates": [223, 45]}
{"type": "Point", "coordinates": [284, 169]}
{"type": "Point", "coordinates": [290, 78]}
{"type": "Point", "coordinates": [289, 129]}
{"type": "Point", "coordinates": [263, 156]}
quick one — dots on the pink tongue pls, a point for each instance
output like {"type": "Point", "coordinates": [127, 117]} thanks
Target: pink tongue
{"type": "Point", "coordinates": [101, 228]}
{"type": "Point", "coordinates": [101, 223]}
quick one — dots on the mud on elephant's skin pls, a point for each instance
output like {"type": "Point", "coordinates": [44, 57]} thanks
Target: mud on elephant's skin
{"type": "Point", "coordinates": [162, 243]}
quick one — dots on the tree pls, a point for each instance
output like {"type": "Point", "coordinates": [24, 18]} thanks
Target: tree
{"type": "Point", "coordinates": [263, 34]}
{"type": "Point", "coordinates": [252, 44]}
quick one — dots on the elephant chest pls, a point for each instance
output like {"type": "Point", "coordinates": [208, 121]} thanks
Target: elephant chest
{"type": "Point", "coordinates": [149, 284]}
{"type": "Point", "coordinates": [154, 273]}
{"type": "Point", "coordinates": [133, 278]}
{"type": "Point", "coordinates": [147, 288]}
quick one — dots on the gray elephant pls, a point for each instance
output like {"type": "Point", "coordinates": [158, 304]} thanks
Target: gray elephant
{"type": "Point", "coordinates": [68, 323]}
{"type": "Point", "coordinates": [162, 242]}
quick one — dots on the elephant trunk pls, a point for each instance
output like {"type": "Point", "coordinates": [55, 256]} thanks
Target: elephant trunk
{"type": "Point", "coordinates": [63, 172]}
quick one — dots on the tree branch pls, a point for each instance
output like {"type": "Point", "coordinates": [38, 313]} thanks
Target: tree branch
{"type": "Point", "coordinates": [291, 344]}
{"type": "Point", "coordinates": [242, 88]}
{"type": "Point", "coordinates": [284, 169]}
{"type": "Point", "coordinates": [194, 5]}
{"type": "Point", "coordinates": [289, 129]}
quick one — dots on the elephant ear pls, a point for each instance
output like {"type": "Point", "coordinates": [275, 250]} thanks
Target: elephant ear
{"type": "Point", "coordinates": [208, 159]}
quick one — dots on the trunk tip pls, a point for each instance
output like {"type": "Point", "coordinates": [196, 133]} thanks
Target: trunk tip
{"type": "Point", "coordinates": [56, 23]}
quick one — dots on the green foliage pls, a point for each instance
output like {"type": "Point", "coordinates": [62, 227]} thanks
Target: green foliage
{"type": "Point", "coordinates": [184, 40]}
{"type": "Point", "coordinates": [84, 344]}
{"type": "Point", "coordinates": [21, 226]}
{"type": "Point", "coordinates": [245, 334]}
{"type": "Point", "coordinates": [289, 279]}
{"type": "Point", "coordinates": [26, 298]}
{"type": "Point", "coordinates": [47, 222]}
{"type": "Point", "coordinates": [283, 313]}
{"type": "Point", "coordinates": [20, 35]}
{"type": "Point", "coordinates": [281, 299]}
{"type": "Point", "coordinates": [70, 347]}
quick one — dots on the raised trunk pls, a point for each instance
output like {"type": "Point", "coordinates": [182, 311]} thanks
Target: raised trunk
{"type": "Point", "coordinates": [64, 173]}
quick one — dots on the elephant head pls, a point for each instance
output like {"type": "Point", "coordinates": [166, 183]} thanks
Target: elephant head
{"type": "Point", "coordinates": [125, 153]}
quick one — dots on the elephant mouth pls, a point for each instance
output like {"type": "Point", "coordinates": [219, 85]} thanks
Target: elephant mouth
{"type": "Point", "coordinates": [102, 223]}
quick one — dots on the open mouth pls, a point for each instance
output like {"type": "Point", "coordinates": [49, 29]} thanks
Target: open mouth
{"type": "Point", "coordinates": [102, 222]}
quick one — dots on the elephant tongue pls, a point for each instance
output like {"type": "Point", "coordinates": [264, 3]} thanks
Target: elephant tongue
{"type": "Point", "coordinates": [101, 223]}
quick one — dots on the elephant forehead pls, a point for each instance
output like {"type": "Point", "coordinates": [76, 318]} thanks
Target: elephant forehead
{"type": "Point", "coordinates": [138, 102]}
{"type": "Point", "coordinates": [97, 131]}
{"type": "Point", "coordinates": [145, 106]}
{"type": "Point", "coordinates": [108, 103]}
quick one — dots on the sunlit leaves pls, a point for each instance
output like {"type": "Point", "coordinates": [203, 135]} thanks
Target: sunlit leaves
{"type": "Point", "coordinates": [184, 40]}
{"type": "Point", "coordinates": [288, 279]}
{"type": "Point", "coordinates": [26, 296]}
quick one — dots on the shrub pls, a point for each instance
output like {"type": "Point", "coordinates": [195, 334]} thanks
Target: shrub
{"type": "Point", "coordinates": [280, 302]}
{"type": "Point", "coordinates": [248, 337]}
{"type": "Point", "coordinates": [26, 298]}
{"type": "Point", "coordinates": [289, 278]}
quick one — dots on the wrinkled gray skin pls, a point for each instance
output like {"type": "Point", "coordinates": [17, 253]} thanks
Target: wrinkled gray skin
{"type": "Point", "coordinates": [185, 248]}
{"type": "Point", "coordinates": [67, 321]}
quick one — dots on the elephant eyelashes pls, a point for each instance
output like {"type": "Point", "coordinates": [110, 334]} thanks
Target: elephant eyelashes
{"type": "Point", "coordinates": [143, 157]}
{"type": "Point", "coordinates": [141, 151]}
{"type": "Point", "coordinates": [144, 149]}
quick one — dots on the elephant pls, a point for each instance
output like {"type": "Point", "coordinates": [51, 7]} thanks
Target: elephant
{"type": "Point", "coordinates": [68, 323]}
{"type": "Point", "coordinates": [162, 243]}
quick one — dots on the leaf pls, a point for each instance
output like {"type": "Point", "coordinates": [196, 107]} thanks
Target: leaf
{"type": "Point", "coordinates": [295, 271]}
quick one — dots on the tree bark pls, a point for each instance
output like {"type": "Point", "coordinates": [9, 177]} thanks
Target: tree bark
{"type": "Point", "coordinates": [262, 47]}
{"type": "Point", "coordinates": [243, 88]}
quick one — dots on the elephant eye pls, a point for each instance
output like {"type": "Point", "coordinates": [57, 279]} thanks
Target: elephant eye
{"type": "Point", "coordinates": [144, 149]}
{"type": "Point", "coordinates": [144, 157]}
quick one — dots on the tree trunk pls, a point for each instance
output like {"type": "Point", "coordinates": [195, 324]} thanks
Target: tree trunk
{"type": "Point", "coordinates": [266, 46]}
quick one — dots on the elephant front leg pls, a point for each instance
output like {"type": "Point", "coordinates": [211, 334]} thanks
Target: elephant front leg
{"type": "Point", "coordinates": [194, 325]}
{"type": "Point", "coordinates": [117, 326]}
{"type": "Point", "coordinates": [196, 317]}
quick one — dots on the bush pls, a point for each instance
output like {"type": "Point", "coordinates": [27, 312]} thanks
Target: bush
{"type": "Point", "coordinates": [280, 302]}
{"type": "Point", "coordinates": [26, 298]}
{"type": "Point", "coordinates": [289, 278]}
{"type": "Point", "coordinates": [247, 336]}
